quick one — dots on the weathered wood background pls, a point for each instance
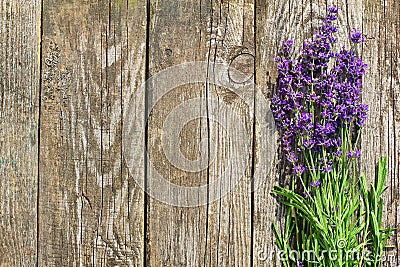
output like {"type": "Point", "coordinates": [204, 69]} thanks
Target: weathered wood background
{"type": "Point", "coordinates": [69, 68]}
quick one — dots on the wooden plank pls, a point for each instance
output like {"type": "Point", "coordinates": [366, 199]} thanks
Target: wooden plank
{"type": "Point", "coordinates": [229, 235]}
{"type": "Point", "coordinates": [19, 113]}
{"type": "Point", "coordinates": [393, 257]}
{"type": "Point", "coordinates": [277, 21]}
{"type": "Point", "coordinates": [91, 205]}
{"type": "Point", "coordinates": [218, 233]}
{"type": "Point", "coordinates": [265, 212]}
{"type": "Point", "coordinates": [381, 86]}
{"type": "Point", "coordinates": [176, 235]}
{"type": "Point", "coordinates": [91, 210]}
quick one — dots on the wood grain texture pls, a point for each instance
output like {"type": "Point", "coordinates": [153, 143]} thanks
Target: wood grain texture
{"type": "Point", "coordinates": [229, 218]}
{"type": "Point", "coordinates": [91, 210]}
{"type": "Point", "coordinates": [212, 234]}
{"type": "Point", "coordinates": [381, 92]}
{"type": "Point", "coordinates": [19, 114]}
{"type": "Point", "coordinates": [268, 15]}
{"type": "Point", "coordinates": [177, 34]}
{"type": "Point", "coordinates": [72, 189]}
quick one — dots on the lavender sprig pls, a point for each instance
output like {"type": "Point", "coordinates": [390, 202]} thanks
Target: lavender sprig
{"type": "Point", "coordinates": [314, 102]}
{"type": "Point", "coordinates": [319, 114]}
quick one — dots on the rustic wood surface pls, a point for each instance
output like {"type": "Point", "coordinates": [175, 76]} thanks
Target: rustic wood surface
{"type": "Point", "coordinates": [19, 116]}
{"type": "Point", "coordinates": [81, 135]}
{"type": "Point", "coordinates": [175, 236]}
{"type": "Point", "coordinates": [382, 87]}
{"type": "Point", "coordinates": [91, 211]}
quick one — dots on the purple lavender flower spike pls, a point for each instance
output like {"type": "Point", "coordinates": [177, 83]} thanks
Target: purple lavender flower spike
{"type": "Point", "coordinates": [334, 93]}
{"type": "Point", "coordinates": [318, 110]}
{"type": "Point", "coordinates": [316, 184]}
{"type": "Point", "coordinates": [291, 157]}
{"type": "Point", "coordinates": [349, 155]}
{"type": "Point", "coordinates": [327, 168]}
{"type": "Point", "coordinates": [298, 169]}
{"type": "Point", "coordinates": [353, 154]}
{"type": "Point", "coordinates": [338, 153]}
{"type": "Point", "coordinates": [333, 9]}
{"type": "Point", "coordinates": [356, 36]}
{"type": "Point", "coordinates": [288, 46]}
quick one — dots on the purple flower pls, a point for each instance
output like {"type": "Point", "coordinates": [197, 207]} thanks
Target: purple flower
{"type": "Point", "coordinates": [353, 154]}
{"type": "Point", "coordinates": [338, 153]}
{"type": "Point", "coordinates": [313, 102]}
{"type": "Point", "coordinates": [326, 169]}
{"type": "Point", "coordinates": [318, 110]}
{"type": "Point", "coordinates": [362, 115]}
{"type": "Point", "coordinates": [356, 36]}
{"type": "Point", "coordinates": [333, 9]}
{"type": "Point", "coordinates": [288, 46]}
{"type": "Point", "coordinates": [298, 169]}
{"type": "Point", "coordinates": [316, 184]}
{"type": "Point", "coordinates": [305, 121]}
{"type": "Point", "coordinates": [291, 157]}
{"type": "Point", "coordinates": [308, 143]}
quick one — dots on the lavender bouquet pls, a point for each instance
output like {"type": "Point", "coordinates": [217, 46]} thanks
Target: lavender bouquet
{"type": "Point", "coordinates": [334, 218]}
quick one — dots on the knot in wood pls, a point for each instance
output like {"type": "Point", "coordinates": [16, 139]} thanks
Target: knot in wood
{"type": "Point", "coordinates": [241, 68]}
